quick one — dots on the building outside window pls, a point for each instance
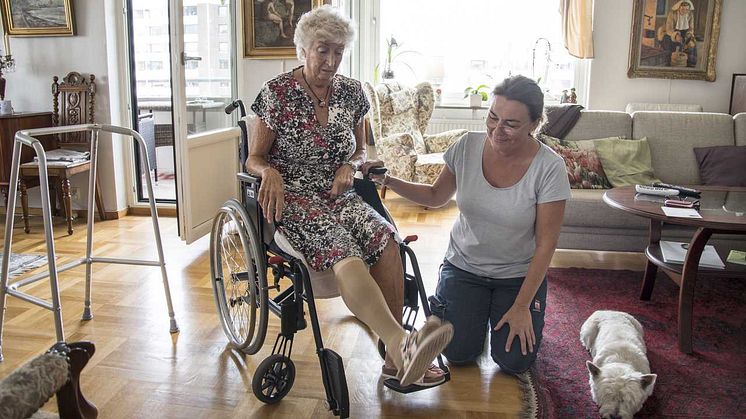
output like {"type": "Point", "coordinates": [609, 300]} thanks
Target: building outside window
{"type": "Point", "coordinates": [484, 42]}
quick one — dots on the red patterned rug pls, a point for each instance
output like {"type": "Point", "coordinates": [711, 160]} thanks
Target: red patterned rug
{"type": "Point", "coordinates": [711, 383]}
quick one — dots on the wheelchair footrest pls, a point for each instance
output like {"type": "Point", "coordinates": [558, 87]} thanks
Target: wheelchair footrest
{"type": "Point", "coordinates": [335, 383]}
{"type": "Point", "coordinates": [394, 384]}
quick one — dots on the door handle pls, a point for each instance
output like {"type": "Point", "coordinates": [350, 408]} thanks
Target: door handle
{"type": "Point", "coordinates": [185, 58]}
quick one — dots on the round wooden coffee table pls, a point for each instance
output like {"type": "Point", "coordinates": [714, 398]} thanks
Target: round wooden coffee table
{"type": "Point", "coordinates": [723, 211]}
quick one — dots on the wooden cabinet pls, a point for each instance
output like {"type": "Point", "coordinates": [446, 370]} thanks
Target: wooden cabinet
{"type": "Point", "coordinates": [9, 125]}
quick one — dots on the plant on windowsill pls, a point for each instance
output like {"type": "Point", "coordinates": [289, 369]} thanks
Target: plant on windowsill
{"type": "Point", "coordinates": [476, 95]}
{"type": "Point", "coordinates": [391, 55]}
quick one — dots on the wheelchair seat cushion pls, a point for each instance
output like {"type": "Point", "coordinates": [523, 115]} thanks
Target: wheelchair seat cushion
{"type": "Point", "coordinates": [323, 283]}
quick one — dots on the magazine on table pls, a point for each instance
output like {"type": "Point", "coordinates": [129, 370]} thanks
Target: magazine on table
{"type": "Point", "coordinates": [675, 252]}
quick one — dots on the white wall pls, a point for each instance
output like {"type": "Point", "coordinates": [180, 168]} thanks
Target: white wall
{"type": "Point", "coordinates": [611, 89]}
{"type": "Point", "coordinates": [29, 87]}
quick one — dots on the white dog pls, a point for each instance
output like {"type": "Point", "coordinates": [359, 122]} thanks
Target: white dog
{"type": "Point", "coordinates": [620, 375]}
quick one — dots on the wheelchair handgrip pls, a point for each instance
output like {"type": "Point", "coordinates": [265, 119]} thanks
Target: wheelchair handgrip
{"type": "Point", "coordinates": [231, 107]}
{"type": "Point", "coordinates": [248, 178]}
{"type": "Point", "coordinates": [375, 171]}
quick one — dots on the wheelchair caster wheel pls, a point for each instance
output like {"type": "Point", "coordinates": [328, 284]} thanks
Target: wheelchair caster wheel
{"type": "Point", "coordinates": [273, 378]}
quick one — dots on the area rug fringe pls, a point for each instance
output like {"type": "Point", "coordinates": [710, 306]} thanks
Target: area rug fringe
{"type": "Point", "coordinates": [530, 396]}
{"type": "Point", "coordinates": [21, 263]}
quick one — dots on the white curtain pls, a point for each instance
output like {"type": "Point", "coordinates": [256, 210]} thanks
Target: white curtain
{"type": "Point", "coordinates": [577, 27]}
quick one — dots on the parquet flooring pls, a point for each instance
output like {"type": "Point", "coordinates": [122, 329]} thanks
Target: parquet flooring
{"type": "Point", "coordinates": [141, 371]}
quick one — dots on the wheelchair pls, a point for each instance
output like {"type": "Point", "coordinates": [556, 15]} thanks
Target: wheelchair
{"type": "Point", "coordinates": [247, 260]}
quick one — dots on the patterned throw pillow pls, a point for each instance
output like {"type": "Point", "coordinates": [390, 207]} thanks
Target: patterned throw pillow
{"type": "Point", "coordinates": [583, 166]}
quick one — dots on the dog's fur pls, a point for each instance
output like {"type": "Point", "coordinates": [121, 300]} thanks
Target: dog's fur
{"type": "Point", "coordinates": [620, 375]}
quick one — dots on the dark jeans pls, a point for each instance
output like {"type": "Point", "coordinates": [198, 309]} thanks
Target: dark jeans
{"type": "Point", "coordinates": [473, 304]}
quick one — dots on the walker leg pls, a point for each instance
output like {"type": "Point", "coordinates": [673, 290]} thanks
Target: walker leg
{"type": "Point", "coordinates": [9, 218]}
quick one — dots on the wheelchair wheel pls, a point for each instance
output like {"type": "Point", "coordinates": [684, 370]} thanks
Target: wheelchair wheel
{"type": "Point", "coordinates": [273, 378]}
{"type": "Point", "coordinates": [239, 272]}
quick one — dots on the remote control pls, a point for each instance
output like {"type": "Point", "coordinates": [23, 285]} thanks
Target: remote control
{"type": "Point", "coordinates": [682, 189]}
{"type": "Point", "coordinates": [654, 190]}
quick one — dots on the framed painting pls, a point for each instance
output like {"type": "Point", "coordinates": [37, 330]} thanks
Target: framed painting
{"type": "Point", "coordinates": [269, 26]}
{"type": "Point", "coordinates": [38, 17]}
{"type": "Point", "coordinates": [674, 39]}
{"type": "Point", "coordinates": [738, 94]}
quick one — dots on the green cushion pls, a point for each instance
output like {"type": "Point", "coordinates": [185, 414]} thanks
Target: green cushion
{"type": "Point", "coordinates": [626, 162]}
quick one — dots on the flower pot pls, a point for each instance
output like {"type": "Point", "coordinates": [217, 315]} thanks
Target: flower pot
{"type": "Point", "coordinates": [475, 100]}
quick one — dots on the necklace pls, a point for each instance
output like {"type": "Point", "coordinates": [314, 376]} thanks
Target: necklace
{"type": "Point", "coordinates": [322, 102]}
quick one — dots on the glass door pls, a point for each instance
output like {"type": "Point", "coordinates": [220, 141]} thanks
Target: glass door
{"type": "Point", "coordinates": [150, 73]}
{"type": "Point", "coordinates": [203, 76]}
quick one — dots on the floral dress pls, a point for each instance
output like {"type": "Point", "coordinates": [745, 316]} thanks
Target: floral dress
{"type": "Point", "coordinates": [323, 228]}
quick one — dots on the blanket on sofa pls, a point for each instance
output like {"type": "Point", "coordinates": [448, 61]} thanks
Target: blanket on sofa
{"type": "Point", "coordinates": [560, 120]}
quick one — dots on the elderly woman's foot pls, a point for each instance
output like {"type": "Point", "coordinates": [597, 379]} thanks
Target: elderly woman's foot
{"type": "Point", "coordinates": [421, 347]}
{"type": "Point", "coordinates": [433, 376]}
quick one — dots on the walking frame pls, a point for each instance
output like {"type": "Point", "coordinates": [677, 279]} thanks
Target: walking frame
{"type": "Point", "coordinates": [27, 138]}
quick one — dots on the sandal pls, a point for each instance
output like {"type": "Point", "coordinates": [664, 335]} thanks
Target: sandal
{"type": "Point", "coordinates": [421, 347]}
{"type": "Point", "coordinates": [433, 376]}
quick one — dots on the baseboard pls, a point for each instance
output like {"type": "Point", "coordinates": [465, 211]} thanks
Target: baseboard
{"type": "Point", "coordinates": [110, 215]}
{"type": "Point", "coordinates": [162, 212]}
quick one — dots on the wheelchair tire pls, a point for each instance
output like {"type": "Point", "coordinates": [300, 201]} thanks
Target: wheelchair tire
{"type": "Point", "coordinates": [239, 277]}
{"type": "Point", "coordinates": [273, 378]}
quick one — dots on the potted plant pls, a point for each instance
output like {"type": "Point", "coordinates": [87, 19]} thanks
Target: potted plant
{"type": "Point", "coordinates": [476, 95]}
{"type": "Point", "coordinates": [392, 53]}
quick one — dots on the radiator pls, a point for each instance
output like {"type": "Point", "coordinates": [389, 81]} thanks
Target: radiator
{"type": "Point", "coordinates": [439, 125]}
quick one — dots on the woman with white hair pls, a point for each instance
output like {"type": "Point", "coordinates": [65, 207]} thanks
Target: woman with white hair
{"type": "Point", "coordinates": [307, 144]}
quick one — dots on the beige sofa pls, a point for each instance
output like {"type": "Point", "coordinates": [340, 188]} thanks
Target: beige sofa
{"type": "Point", "coordinates": [592, 225]}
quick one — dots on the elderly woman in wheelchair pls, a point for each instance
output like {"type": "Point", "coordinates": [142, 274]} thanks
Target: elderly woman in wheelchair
{"type": "Point", "coordinates": [306, 145]}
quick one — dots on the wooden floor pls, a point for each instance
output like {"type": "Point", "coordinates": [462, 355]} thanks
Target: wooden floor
{"type": "Point", "coordinates": [141, 371]}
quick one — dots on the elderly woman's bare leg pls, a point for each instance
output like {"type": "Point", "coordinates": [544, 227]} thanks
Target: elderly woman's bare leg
{"type": "Point", "coordinates": [364, 298]}
{"type": "Point", "coordinates": [389, 276]}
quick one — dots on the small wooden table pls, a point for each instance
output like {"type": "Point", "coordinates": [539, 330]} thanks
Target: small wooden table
{"type": "Point", "coordinates": [723, 211]}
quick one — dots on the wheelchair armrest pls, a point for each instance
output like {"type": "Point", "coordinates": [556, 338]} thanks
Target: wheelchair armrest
{"type": "Point", "coordinates": [248, 178]}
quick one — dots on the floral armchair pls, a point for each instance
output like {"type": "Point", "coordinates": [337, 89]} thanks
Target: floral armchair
{"type": "Point", "coordinates": [398, 117]}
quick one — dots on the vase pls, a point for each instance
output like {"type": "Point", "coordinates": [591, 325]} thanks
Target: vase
{"type": "Point", "coordinates": [475, 100]}
{"type": "Point", "coordinates": [387, 73]}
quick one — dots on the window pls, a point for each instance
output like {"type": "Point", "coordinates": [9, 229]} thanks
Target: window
{"type": "Point", "coordinates": [190, 10]}
{"type": "Point", "coordinates": [156, 30]}
{"type": "Point", "coordinates": [191, 65]}
{"type": "Point", "coordinates": [223, 11]}
{"type": "Point", "coordinates": [223, 47]}
{"type": "Point", "coordinates": [155, 65]}
{"type": "Point", "coordinates": [223, 64]}
{"type": "Point", "coordinates": [191, 46]}
{"type": "Point", "coordinates": [222, 28]}
{"type": "Point", "coordinates": [486, 41]}
{"type": "Point", "coordinates": [191, 29]}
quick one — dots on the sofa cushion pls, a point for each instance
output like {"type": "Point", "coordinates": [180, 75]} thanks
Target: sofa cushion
{"type": "Point", "coordinates": [740, 126]}
{"type": "Point", "coordinates": [722, 166]}
{"type": "Point", "coordinates": [584, 170]}
{"type": "Point", "coordinates": [601, 124]}
{"type": "Point", "coordinates": [672, 136]}
{"type": "Point", "coordinates": [626, 162]}
{"type": "Point", "coordinates": [587, 208]}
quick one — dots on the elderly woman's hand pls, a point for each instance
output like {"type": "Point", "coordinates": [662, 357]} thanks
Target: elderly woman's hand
{"type": "Point", "coordinates": [369, 165]}
{"type": "Point", "coordinates": [272, 195]}
{"type": "Point", "coordinates": [521, 326]}
{"type": "Point", "coordinates": [342, 180]}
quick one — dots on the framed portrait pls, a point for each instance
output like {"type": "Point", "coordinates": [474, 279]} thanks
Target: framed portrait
{"type": "Point", "coordinates": [674, 39]}
{"type": "Point", "coordinates": [38, 18]}
{"type": "Point", "coordinates": [738, 94]}
{"type": "Point", "coordinates": [269, 26]}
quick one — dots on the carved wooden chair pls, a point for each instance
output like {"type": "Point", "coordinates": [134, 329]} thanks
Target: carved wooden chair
{"type": "Point", "coordinates": [53, 373]}
{"type": "Point", "coordinates": [73, 103]}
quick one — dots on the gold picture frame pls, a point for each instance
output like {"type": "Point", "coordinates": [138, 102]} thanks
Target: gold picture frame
{"type": "Point", "coordinates": [31, 18]}
{"type": "Point", "coordinates": [674, 39]}
{"type": "Point", "coordinates": [265, 23]}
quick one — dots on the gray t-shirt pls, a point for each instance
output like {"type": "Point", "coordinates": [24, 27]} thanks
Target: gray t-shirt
{"type": "Point", "coordinates": [494, 235]}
